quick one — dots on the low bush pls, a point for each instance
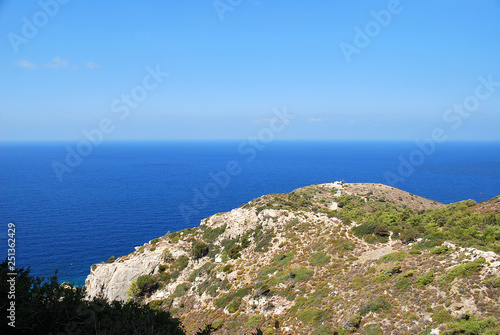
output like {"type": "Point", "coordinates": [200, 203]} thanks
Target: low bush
{"type": "Point", "coordinates": [143, 286]}
{"type": "Point", "coordinates": [283, 260]}
{"type": "Point", "coordinates": [441, 316]}
{"type": "Point", "coordinates": [393, 257]}
{"type": "Point", "coordinates": [425, 280]}
{"type": "Point", "coordinates": [474, 326]}
{"type": "Point", "coordinates": [465, 270]}
{"type": "Point", "coordinates": [320, 258]}
{"type": "Point", "coordinates": [199, 250]}
{"type": "Point", "coordinates": [181, 263]}
{"type": "Point", "coordinates": [234, 251]}
{"type": "Point", "coordinates": [254, 320]}
{"type": "Point", "coordinates": [311, 315]}
{"type": "Point", "coordinates": [301, 274]}
{"type": "Point", "coordinates": [439, 250]}
{"type": "Point", "coordinates": [374, 306]}
{"type": "Point", "coordinates": [211, 234]}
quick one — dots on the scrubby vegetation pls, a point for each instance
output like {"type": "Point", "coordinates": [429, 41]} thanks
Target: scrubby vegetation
{"type": "Point", "coordinates": [322, 260]}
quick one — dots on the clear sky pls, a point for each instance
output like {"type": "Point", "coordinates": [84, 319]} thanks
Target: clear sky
{"type": "Point", "coordinates": [381, 70]}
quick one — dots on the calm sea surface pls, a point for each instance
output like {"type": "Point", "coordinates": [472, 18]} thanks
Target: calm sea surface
{"type": "Point", "coordinates": [124, 194]}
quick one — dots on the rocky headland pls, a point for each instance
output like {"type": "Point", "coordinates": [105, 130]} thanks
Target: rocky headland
{"type": "Point", "coordinates": [336, 257]}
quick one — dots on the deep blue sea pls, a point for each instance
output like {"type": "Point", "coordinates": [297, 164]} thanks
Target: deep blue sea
{"type": "Point", "coordinates": [123, 194]}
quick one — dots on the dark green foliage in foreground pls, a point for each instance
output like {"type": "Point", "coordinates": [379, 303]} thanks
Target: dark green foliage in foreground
{"type": "Point", "coordinates": [46, 307]}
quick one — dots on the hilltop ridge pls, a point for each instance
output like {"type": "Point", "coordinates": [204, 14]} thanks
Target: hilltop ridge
{"type": "Point", "coordinates": [323, 258]}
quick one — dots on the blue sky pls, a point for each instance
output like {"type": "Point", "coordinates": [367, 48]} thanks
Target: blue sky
{"type": "Point", "coordinates": [229, 67]}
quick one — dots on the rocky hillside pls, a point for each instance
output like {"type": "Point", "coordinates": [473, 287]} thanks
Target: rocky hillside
{"type": "Point", "coordinates": [345, 258]}
{"type": "Point", "coordinates": [490, 206]}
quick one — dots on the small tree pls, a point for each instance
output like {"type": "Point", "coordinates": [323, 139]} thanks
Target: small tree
{"type": "Point", "coordinates": [199, 250]}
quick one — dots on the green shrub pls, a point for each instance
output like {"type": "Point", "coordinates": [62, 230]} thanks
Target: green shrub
{"type": "Point", "coordinates": [154, 241]}
{"type": "Point", "coordinates": [311, 315]}
{"type": "Point", "coordinates": [372, 329]}
{"type": "Point", "coordinates": [159, 305]}
{"type": "Point", "coordinates": [93, 267]}
{"type": "Point", "coordinates": [320, 258]}
{"type": "Point", "coordinates": [363, 229]}
{"type": "Point", "coordinates": [439, 250]}
{"type": "Point", "coordinates": [268, 270]}
{"type": "Point", "coordinates": [234, 305]}
{"type": "Point", "coordinates": [374, 306]}
{"type": "Point", "coordinates": [166, 256]}
{"type": "Point", "coordinates": [254, 320]}
{"type": "Point", "coordinates": [143, 286]}
{"type": "Point", "coordinates": [180, 290]}
{"type": "Point", "coordinates": [133, 290]}
{"type": "Point", "coordinates": [165, 277]}
{"type": "Point", "coordinates": [425, 280]}
{"type": "Point", "coordinates": [262, 239]}
{"type": "Point", "coordinates": [402, 283]}
{"type": "Point", "coordinates": [234, 251]}
{"type": "Point", "coordinates": [492, 282]}
{"type": "Point", "coordinates": [301, 274]}
{"type": "Point", "coordinates": [174, 275]}
{"type": "Point", "coordinates": [283, 260]}
{"type": "Point", "coordinates": [408, 274]}
{"type": "Point", "coordinates": [465, 270]}
{"type": "Point", "coordinates": [111, 259]}
{"type": "Point", "coordinates": [211, 234]}
{"type": "Point", "coordinates": [174, 237]}
{"type": "Point", "coordinates": [244, 241]}
{"type": "Point", "coordinates": [323, 330]}
{"type": "Point", "coordinates": [474, 326]}
{"type": "Point", "coordinates": [181, 263]}
{"type": "Point", "coordinates": [199, 250]}
{"type": "Point", "coordinates": [393, 257]}
{"type": "Point", "coordinates": [441, 316]}
{"type": "Point", "coordinates": [162, 268]}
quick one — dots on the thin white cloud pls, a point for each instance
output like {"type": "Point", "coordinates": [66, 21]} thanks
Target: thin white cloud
{"type": "Point", "coordinates": [26, 64]}
{"type": "Point", "coordinates": [92, 65]}
{"type": "Point", "coordinates": [315, 120]}
{"type": "Point", "coordinates": [58, 63]}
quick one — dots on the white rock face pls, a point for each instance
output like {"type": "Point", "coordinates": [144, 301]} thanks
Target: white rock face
{"type": "Point", "coordinates": [238, 221]}
{"type": "Point", "coordinates": [111, 281]}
